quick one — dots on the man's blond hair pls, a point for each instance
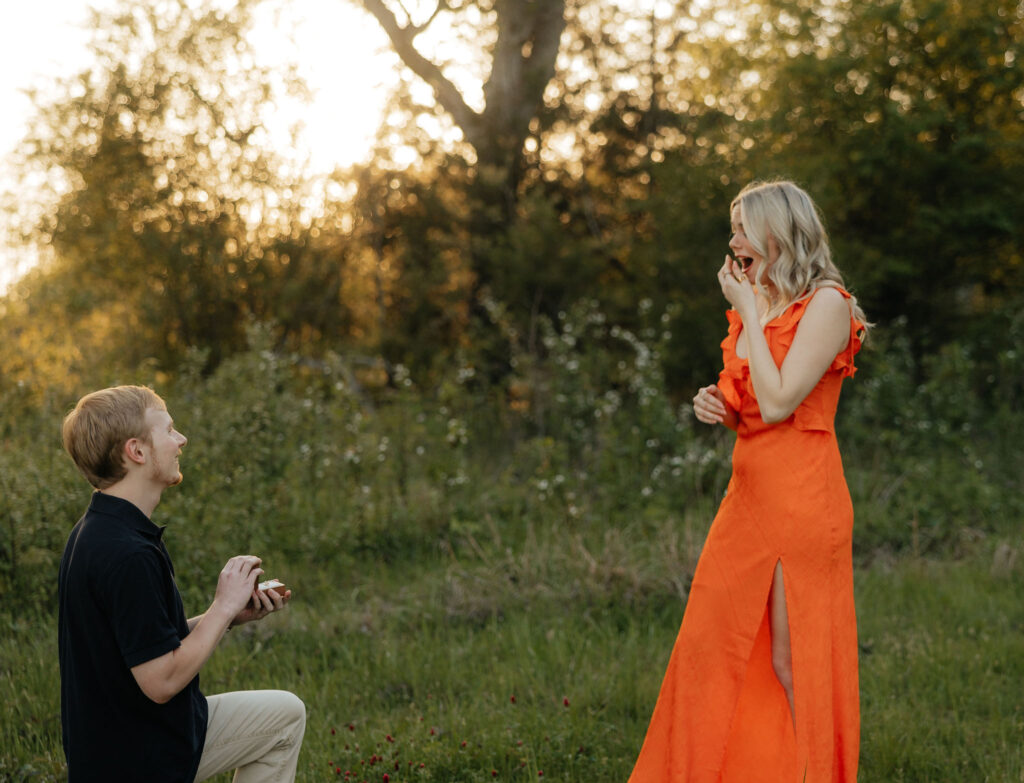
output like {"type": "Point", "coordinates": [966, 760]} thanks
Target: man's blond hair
{"type": "Point", "coordinates": [102, 422]}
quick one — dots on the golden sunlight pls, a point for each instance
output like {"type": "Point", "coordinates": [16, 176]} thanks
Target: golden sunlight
{"type": "Point", "coordinates": [340, 52]}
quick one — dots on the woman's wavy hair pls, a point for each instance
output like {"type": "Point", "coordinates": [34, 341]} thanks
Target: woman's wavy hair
{"type": "Point", "coordinates": [781, 213]}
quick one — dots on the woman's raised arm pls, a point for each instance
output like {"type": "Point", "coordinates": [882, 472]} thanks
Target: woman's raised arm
{"type": "Point", "coordinates": [823, 332]}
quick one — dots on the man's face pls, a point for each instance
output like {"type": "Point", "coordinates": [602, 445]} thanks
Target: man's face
{"type": "Point", "coordinates": [166, 444]}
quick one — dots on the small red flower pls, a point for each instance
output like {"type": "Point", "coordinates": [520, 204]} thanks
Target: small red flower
{"type": "Point", "coordinates": [337, 770]}
{"type": "Point", "coordinates": [513, 698]}
{"type": "Point", "coordinates": [422, 765]}
{"type": "Point", "coordinates": [389, 738]}
{"type": "Point", "coordinates": [463, 743]}
{"type": "Point", "coordinates": [333, 732]}
{"type": "Point", "coordinates": [565, 701]}
{"type": "Point", "coordinates": [540, 773]}
{"type": "Point", "coordinates": [432, 732]}
{"type": "Point", "coordinates": [386, 777]}
{"type": "Point", "coordinates": [494, 773]}
{"type": "Point", "coordinates": [351, 727]}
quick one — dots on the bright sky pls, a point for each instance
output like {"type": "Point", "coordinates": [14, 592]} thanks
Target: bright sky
{"type": "Point", "coordinates": [341, 51]}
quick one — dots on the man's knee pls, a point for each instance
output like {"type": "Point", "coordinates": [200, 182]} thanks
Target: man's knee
{"type": "Point", "coordinates": [292, 710]}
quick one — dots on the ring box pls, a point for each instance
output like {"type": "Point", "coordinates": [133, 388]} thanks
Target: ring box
{"type": "Point", "coordinates": [277, 586]}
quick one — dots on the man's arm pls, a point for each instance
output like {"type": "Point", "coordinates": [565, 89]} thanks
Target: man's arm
{"type": "Point", "coordinates": [162, 678]}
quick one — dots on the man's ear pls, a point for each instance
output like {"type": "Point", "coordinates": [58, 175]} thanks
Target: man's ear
{"type": "Point", "coordinates": [134, 451]}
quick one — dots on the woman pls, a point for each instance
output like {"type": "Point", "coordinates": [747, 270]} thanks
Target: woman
{"type": "Point", "coordinates": [762, 682]}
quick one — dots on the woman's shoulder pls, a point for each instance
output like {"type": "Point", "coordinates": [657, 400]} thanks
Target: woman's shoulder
{"type": "Point", "coordinates": [829, 313]}
{"type": "Point", "coordinates": [824, 301]}
{"type": "Point", "coordinates": [824, 311]}
{"type": "Point", "coordinates": [829, 300]}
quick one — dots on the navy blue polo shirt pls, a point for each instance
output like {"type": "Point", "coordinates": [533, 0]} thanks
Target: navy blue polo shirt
{"type": "Point", "coordinates": [119, 607]}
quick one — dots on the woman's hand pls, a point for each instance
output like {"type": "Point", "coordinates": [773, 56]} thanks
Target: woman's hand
{"type": "Point", "coordinates": [736, 288]}
{"type": "Point", "coordinates": [709, 405]}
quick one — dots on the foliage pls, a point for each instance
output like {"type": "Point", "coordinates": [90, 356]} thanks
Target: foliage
{"type": "Point", "coordinates": [323, 461]}
{"type": "Point", "coordinates": [175, 225]}
{"type": "Point", "coordinates": [170, 222]}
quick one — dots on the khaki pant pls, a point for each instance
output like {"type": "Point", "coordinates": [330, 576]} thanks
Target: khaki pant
{"type": "Point", "coordinates": [256, 733]}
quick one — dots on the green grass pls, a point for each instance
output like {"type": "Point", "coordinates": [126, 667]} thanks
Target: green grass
{"type": "Point", "coordinates": [942, 675]}
{"type": "Point", "coordinates": [397, 651]}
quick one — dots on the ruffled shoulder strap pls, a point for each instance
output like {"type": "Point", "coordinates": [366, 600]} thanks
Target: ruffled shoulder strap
{"type": "Point", "coordinates": [782, 329]}
{"type": "Point", "coordinates": [732, 377]}
{"type": "Point", "coordinates": [844, 359]}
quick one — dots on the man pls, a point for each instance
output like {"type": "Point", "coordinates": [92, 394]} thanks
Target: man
{"type": "Point", "coordinates": [131, 709]}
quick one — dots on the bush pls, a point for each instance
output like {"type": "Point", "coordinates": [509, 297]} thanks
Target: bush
{"type": "Point", "coordinates": [322, 474]}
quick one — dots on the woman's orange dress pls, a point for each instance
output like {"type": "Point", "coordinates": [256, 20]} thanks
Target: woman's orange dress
{"type": "Point", "coordinates": [722, 716]}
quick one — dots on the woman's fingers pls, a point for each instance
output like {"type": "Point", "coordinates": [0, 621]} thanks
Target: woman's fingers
{"type": "Point", "coordinates": [707, 406]}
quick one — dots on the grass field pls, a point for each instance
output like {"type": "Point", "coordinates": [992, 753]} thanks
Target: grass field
{"type": "Point", "coordinates": [443, 671]}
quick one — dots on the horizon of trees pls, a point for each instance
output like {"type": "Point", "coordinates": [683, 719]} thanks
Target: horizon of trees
{"type": "Point", "coordinates": [600, 168]}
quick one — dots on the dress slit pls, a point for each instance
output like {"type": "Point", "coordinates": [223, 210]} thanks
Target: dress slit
{"type": "Point", "coordinates": [761, 739]}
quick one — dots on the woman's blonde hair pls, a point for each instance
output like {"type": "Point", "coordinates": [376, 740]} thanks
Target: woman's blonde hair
{"type": "Point", "coordinates": [95, 432]}
{"type": "Point", "coordinates": [782, 213]}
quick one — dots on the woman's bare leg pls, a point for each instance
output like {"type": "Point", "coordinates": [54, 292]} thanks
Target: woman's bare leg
{"type": "Point", "coordinates": [782, 653]}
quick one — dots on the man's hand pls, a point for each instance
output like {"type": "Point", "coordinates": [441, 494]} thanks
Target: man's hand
{"type": "Point", "coordinates": [236, 585]}
{"type": "Point", "coordinates": [263, 603]}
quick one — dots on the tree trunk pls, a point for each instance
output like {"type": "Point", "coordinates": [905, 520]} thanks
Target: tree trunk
{"type": "Point", "coordinates": [523, 63]}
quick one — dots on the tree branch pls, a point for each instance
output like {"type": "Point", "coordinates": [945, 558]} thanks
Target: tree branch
{"type": "Point", "coordinates": [442, 5]}
{"type": "Point", "coordinates": [447, 94]}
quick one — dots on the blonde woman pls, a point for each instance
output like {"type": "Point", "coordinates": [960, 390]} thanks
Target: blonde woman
{"type": "Point", "coordinates": [762, 681]}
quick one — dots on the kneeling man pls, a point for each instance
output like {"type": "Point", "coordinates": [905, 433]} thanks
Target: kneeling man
{"type": "Point", "coordinates": [131, 709]}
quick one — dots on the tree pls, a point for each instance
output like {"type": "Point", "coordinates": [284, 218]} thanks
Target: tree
{"type": "Point", "coordinates": [536, 236]}
{"type": "Point", "coordinates": [523, 49]}
{"type": "Point", "coordinates": [172, 223]}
